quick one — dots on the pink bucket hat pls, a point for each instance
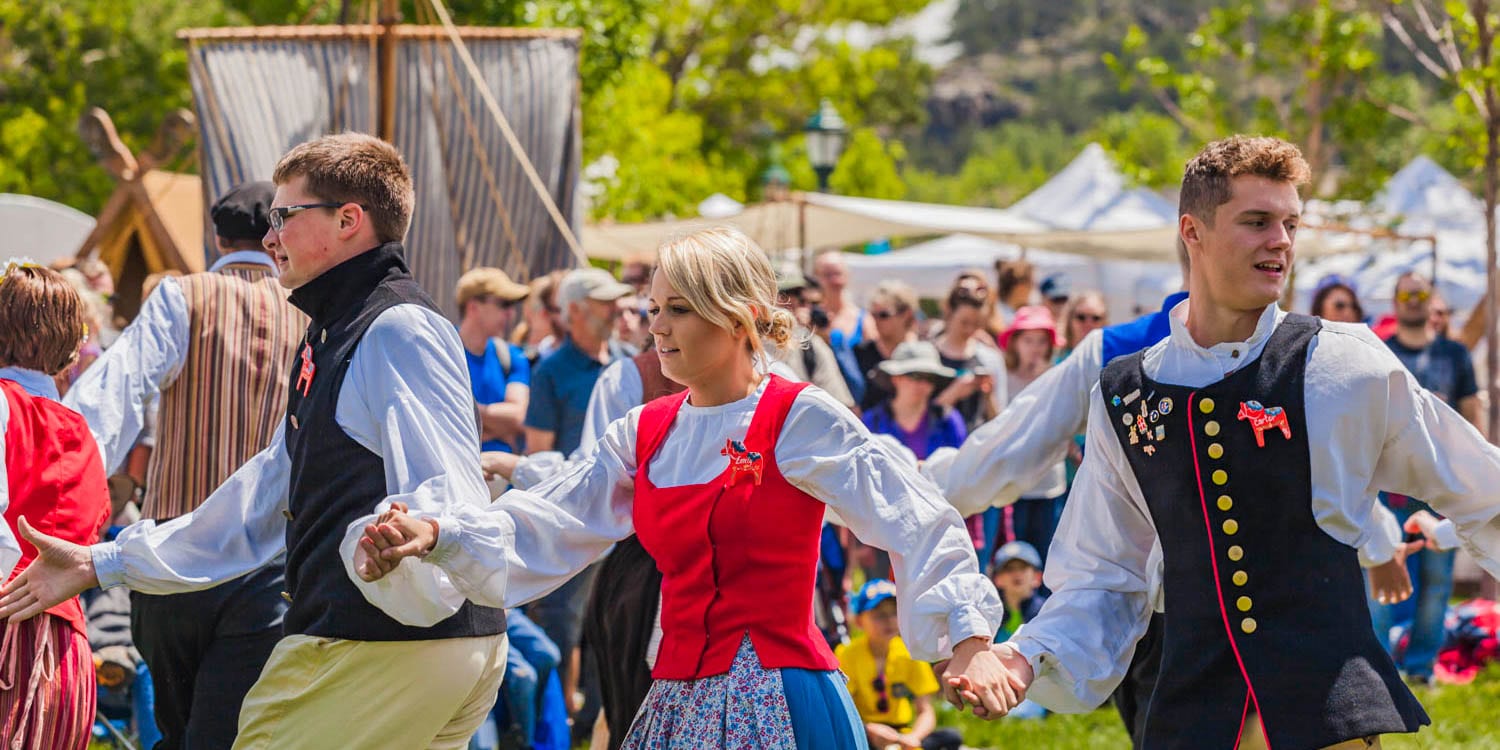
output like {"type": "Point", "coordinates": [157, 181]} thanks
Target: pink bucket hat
{"type": "Point", "coordinates": [1029, 318]}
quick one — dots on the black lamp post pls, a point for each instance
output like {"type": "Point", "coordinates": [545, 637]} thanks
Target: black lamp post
{"type": "Point", "coordinates": [825, 141]}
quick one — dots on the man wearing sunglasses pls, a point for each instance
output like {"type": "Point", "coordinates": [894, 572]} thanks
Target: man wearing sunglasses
{"type": "Point", "coordinates": [1443, 367]}
{"type": "Point", "coordinates": [499, 372]}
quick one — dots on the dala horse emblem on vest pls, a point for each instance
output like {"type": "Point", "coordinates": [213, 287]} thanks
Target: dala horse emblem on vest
{"type": "Point", "coordinates": [742, 462]}
{"type": "Point", "coordinates": [1264, 418]}
{"type": "Point", "coordinates": [304, 378]}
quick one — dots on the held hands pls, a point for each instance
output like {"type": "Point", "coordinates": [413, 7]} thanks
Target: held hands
{"type": "Point", "coordinates": [393, 537]}
{"type": "Point", "coordinates": [61, 571]}
{"type": "Point", "coordinates": [1424, 523]}
{"type": "Point", "coordinates": [1389, 581]}
{"type": "Point", "coordinates": [991, 680]}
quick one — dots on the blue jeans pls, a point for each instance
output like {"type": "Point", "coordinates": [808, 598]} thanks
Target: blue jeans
{"type": "Point", "coordinates": [1432, 584]}
{"type": "Point", "coordinates": [532, 656]}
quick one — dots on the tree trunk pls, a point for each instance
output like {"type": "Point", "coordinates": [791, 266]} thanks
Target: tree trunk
{"type": "Point", "coordinates": [1486, 38]}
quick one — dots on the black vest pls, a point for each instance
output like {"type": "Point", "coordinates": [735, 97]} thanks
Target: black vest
{"type": "Point", "coordinates": [1264, 611]}
{"type": "Point", "coordinates": [334, 479]}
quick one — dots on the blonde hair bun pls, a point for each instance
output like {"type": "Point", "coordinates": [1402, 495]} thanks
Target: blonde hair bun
{"type": "Point", "coordinates": [728, 280]}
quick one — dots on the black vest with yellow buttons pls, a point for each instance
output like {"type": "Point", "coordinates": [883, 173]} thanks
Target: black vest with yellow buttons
{"type": "Point", "coordinates": [1265, 613]}
{"type": "Point", "coordinates": [335, 480]}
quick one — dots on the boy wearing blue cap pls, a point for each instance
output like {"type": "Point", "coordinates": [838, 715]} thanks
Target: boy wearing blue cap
{"type": "Point", "coordinates": [891, 690]}
{"type": "Point", "coordinates": [1017, 574]}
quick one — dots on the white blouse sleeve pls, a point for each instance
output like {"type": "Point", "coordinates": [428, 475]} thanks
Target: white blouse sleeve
{"type": "Point", "coordinates": [1388, 433]}
{"type": "Point", "coordinates": [1013, 452]}
{"type": "Point", "coordinates": [827, 453]}
{"type": "Point", "coordinates": [527, 543]}
{"type": "Point", "coordinates": [617, 391]}
{"type": "Point", "coordinates": [1102, 568]}
{"type": "Point", "coordinates": [116, 391]}
{"type": "Point", "coordinates": [1432, 453]}
{"type": "Point", "coordinates": [238, 529]}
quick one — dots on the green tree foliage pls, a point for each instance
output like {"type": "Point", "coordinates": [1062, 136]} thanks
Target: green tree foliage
{"type": "Point", "coordinates": [1004, 164]}
{"type": "Point", "coordinates": [57, 58]}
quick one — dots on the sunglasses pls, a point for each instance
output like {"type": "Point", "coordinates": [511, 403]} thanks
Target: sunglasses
{"type": "Point", "coordinates": [1087, 318]}
{"type": "Point", "coordinates": [1441, 312]}
{"type": "Point", "coordinates": [884, 314]}
{"type": "Point", "coordinates": [278, 215]}
{"type": "Point", "coordinates": [882, 698]}
{"type": "Point", "coordinates": [1408, 296]}
{"type": "Point", "coordinates": [1341, 304]}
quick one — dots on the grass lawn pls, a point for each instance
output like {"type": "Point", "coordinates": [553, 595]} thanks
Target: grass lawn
{"type": "Point", "coordinates": [1464, 717]}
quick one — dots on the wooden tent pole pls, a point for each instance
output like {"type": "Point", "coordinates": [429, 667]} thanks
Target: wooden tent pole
{"type": "Point", "coordinates": [390, 15]}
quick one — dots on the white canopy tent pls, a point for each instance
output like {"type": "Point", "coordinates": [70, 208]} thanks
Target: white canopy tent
{"type": "Point", "coordinates": [40, 229]}
{"type": "Point", "coordinates": [1422, 199]}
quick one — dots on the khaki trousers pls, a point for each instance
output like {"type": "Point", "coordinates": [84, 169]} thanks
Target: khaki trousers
{"type": "Point", "coordinates": [320, 693]}
{"type": "Point", "coordinates": [1252, 738]}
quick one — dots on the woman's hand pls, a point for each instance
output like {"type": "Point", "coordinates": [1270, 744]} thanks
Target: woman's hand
{"type": "Point", "coordinates": [980, 677]}
{"type": "Point", "coordinates": [393, 537]}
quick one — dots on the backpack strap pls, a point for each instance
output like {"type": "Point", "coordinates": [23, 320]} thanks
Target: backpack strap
{"type": "Point", "coordinates": [502, 353]}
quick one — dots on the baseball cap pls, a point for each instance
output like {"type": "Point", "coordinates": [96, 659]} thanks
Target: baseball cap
{"type": "Point", "coordinates": [590, 283]}
{"type": "Point", "coordinates": [1056, 286]}
{"type": "Point", "coordinates": [1017, 550]}
{"type": "Point", "coordinates": [240, 214]}
{"type": "Point", "coordinates": [871, 595]}
{"type": "Point", "coordinates": [489, 281]}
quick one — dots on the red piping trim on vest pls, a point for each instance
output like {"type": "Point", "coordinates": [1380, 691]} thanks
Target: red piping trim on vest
{"type": "Point", "coordinates": [1213, 558]}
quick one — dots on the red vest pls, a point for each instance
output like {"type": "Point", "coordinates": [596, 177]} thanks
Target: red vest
{"type": "Point", "coordinates": [737, 557]}
{"type": "Point", "coordinates": [56, 479]}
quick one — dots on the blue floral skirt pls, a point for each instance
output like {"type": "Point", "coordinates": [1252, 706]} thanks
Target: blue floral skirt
{"type": "Point", "coordinates": [749, 708]}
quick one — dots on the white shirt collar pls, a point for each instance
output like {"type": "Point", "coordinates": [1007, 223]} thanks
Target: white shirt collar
{"type": "Point", "coordinates": [244, 256]}
{"type": "Point", "coordinates": [1240, 351]}
{"type": "Point", "coordinates": [33, 382]}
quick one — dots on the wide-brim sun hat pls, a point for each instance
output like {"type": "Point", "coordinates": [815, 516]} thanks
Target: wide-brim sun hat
{"type": "Point", "coordinates": [916, 358]}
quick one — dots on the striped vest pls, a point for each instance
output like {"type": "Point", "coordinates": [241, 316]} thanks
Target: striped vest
{"type": "Point", "coordinates": [227, 399]}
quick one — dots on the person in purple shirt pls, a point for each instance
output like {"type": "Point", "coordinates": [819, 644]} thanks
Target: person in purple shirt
{"type": "Point", "coordinates": [909, 415]}
{"type": "Point", "coordinates": [912, 375]}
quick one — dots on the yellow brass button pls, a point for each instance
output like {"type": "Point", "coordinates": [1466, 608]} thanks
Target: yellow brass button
{"type": "Point", "coordinates": [294, 422]}
{"type": "Point", "coordinates": [1220, 476]}
{"type": "Point", "coordinates": [286, 514]}
{"type": "Point", "coordinates": [1215, 451]}
{"type": "Point", "coordinates": [1243, 603]}
{"type": "Point", "coordinates": [1225, 503]}
{"type": "Point", "coordinates": [1248, 624]}
{"type": "Point", "coordinates": [323, 337]}
{"type": "Point", "coordinates": [1231, 526]}
{"type": "Point", "coordinates": [286, 596]}
{"type": "Point", "coordinates": [1211, 428]}
{"type": "Point", "coordinates": [1236, 552]}
{"type": "Point", "coordinates": [1206, 406]}
{"type": "Point", "coordinates": [1241, 578]}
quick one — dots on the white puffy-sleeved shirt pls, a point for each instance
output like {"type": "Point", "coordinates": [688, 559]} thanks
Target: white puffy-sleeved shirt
{"type": "Point", "coordinates": [405, 397]}
{"type": "Point", "coordinates": [528, 542]}
{"type": "Point", "coordinates": [1371, 426]}
{"type": "Point", "coordinates": [116, 394]}
{"type": "Point", "coordinates": [40, 385]}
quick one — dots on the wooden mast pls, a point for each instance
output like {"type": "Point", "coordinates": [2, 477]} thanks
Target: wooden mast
{"type": "Point", "coordinates": [390, 15]}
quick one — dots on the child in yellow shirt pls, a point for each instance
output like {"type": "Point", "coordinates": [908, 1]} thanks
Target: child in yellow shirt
{"type": "Point", "coordinates": [891, 690]}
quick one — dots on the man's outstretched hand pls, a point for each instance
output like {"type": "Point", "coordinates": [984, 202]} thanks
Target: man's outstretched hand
{"type": "Point", "coordinates": [61, 571]}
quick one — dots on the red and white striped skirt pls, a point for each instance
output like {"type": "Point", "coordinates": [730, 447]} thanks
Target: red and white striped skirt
{"type": "Point", "coordinates": [47, 686]}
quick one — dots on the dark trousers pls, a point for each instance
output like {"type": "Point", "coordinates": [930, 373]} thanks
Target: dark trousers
{"type": "Point", "coordinates": [205, 649]}
{"type": "Point", "coordinates": [1133, 696]}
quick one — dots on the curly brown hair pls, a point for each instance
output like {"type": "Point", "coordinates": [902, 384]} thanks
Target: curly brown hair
{"type": "Point", "coordinates": [43, 318]}
{"type": "Point", "coordinates": [1207, 177]}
